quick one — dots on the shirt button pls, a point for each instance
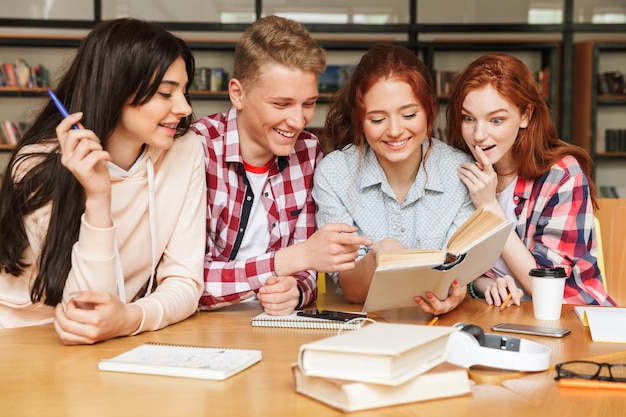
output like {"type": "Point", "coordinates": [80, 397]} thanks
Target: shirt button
{"type": "Point", "coordinates": [394, 227]}
{"type": "Point", "coordinates": [266, 194]}
{"type": "Point", "coordinates": [241, 230]}
{"type": "Point", "coordinates": [248, 198]}
{"type": "Point", "coordinates": [516, 199]}
{"type": "Point", "coordinates": [403, 230]}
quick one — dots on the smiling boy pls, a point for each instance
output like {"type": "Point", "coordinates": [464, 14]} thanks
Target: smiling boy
{"type": "Point", "coordinates": [261, 237]}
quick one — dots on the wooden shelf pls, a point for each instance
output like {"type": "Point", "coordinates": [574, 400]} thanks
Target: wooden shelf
{"type": "Point", "coordinates": [23, 91]}
{"type": "Point", "coordinates": [587, 103]}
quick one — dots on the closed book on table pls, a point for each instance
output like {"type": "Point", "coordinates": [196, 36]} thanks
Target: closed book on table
{"type": "Point", "coordinates": [445, 380]}
{"type": "Point", "coordinates": [182, 361]}
{"type": "Point", "coordinates": [383, 353]}
{"type": "Point", "coordinates": [295, 321]}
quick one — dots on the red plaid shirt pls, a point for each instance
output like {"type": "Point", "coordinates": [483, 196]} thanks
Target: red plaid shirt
{"type": "Point", "coordinates": [287, 200]}
{"type": "Point", "coordinates": [555, 222]}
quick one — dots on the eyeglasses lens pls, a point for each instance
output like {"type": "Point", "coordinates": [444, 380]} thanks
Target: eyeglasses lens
{"type": "Point", "coordinates": [592, 370]}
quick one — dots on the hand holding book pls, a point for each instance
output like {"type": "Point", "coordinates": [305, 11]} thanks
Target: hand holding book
{"type": "Point", "coordinates": [471, 251]}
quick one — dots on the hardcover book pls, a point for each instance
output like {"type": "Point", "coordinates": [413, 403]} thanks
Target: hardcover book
{"type": "Point", "coordinates": [445, 380]}
{"type": "Point", "coordinates": [472, 250]}
{"type": "Point", "coordinates": [382, 353]}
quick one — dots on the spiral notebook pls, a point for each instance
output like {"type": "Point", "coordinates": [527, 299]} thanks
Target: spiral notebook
{"type": "Point", "coordinates": [182, 361]}
{"type": "Point", "coordinates": [298, 322]}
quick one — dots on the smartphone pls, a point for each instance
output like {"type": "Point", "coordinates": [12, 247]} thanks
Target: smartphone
{"type": "Point", "coordinates": [331, 315]}
{"type": "Point", "coordinates": [529, 329]}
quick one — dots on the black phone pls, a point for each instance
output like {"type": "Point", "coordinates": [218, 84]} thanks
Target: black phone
{"type": "Point", "coordinates": [331, 315]}
{"type": "Point", "coordinates": [532, 330]}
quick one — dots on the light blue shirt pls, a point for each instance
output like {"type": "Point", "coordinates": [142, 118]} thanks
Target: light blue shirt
{"type": "Point", "coordinates": [354, 190]}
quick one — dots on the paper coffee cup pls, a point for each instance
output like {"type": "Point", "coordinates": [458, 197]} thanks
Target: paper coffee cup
{"type": "Point", "coordinates": [548, 285]}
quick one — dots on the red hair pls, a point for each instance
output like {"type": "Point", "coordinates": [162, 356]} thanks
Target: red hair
{"type": "Point", "coordinates": [344, 120]}
{"type": "Point", "coordinates": [538, 146]}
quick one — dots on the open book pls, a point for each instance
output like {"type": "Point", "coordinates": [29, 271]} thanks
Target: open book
{"type": "Point", "coordinates": [472, 250]}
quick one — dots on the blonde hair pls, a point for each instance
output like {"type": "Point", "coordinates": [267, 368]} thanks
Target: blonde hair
{"type": "Point", "coordinates": [276, 40]}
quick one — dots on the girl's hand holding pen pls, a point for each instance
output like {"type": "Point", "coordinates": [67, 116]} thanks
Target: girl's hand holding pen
{"type": "Point", "coordinates": [83, 155]}
{"type": "Point", "coordinates": [498, 290]}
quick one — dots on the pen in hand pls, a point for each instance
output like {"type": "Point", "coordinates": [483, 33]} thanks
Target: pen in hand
{"type": "Point", "coordinates": [506, 301]}
{"type": "Point", "coordinates": [60, 106]}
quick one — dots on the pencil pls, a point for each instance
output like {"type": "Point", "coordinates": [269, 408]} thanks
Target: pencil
{"type": "Point", "coordinates": [506, 301]}
{"type": "Point", "coordinates": [433, 321]}
{"type": "Point", "coordinates": [584, 383]}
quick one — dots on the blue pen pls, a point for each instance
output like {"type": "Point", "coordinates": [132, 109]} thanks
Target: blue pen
{"type": "Point", "coordinates": [60, 106]}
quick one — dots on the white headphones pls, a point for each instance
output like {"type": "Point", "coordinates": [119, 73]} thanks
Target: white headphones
{"type": "Point", "coordinates": [471, 346]}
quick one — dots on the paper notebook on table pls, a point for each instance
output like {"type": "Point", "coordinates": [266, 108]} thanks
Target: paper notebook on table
{"type": "Point", "coordinates": [182, 361]}
{"type": "Point", "coordinates": [606, 324]}
{"type": "Point", "coordinates": [472, 250]}
{"type": "Point", "coordinates": [299, 322]}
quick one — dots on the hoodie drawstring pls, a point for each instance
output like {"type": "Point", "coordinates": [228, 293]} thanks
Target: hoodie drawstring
{"type": "Point", "coordinates": [119, 272]}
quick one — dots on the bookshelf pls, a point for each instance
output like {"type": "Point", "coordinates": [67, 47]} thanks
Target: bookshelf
{"type": "Point", "coordinates": [437, 32]}
{"type": "Point", "coordinates": [597, 113]}
{"type": "Point", "coordinates": [542, 56]}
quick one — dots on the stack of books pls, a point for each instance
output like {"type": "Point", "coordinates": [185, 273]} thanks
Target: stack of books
{"type": "Point", "coordinates": [379, 365]}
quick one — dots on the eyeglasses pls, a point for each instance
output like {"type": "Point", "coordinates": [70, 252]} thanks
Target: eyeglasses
{"type": "Point", "coordinates": [591, 371]}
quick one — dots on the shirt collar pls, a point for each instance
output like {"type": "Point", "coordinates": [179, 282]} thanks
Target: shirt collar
{"type": "Point", "coordinates": [232, 152]}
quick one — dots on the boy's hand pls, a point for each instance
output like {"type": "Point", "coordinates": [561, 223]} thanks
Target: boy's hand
{"type": "Point", "coordinates": [279, 296]}
{"type": "Point", "coordinates": [333, 248]}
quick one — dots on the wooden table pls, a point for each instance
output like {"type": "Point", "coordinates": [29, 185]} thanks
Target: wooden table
{"type": "Point", "coordinates": [41, 377]}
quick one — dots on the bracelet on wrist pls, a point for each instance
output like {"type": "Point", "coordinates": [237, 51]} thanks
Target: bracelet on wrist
{"type": "Point", "coordinates": [471, 291]}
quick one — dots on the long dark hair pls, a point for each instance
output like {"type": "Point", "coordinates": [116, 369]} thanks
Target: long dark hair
{"type": "Point", "coordinates": [119, 62]}
{"type": "Point", "coordinates": [538, 146]}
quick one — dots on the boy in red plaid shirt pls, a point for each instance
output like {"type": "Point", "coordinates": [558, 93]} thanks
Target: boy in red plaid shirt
{"type": "Point", "coordinates": [262, 239]}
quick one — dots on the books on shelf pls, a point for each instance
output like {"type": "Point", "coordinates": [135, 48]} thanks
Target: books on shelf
{"type": "Point", "coordinates": [606, 324]}
{"type": "Point", "coordinates": [611, 140]}
{"type": "Point", "coordinates": [445, 380]}
{"type": "Point", "coordinates": [182, 361]}
{"type": "Point", "coordinates": [295, 321]}
{"type": "Point", "coordinates": [20, 74]}
{"type": "Point", "coordinates": [611, 83]}
{"type": "Point", "coordinates": [472, 250]}
{"type": "Point", "coordinates": [210, 79]}
{"type": "Point", "coordinates": [612, 191]}
{"type": "Point", "coordinates": [382, 353]}
{"type": "Point", "coordinates": [445, 81]}
{"type": "Point", "coordinates": [11, 132]}
{"type": "Point", "coordinates": [334, 78]}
